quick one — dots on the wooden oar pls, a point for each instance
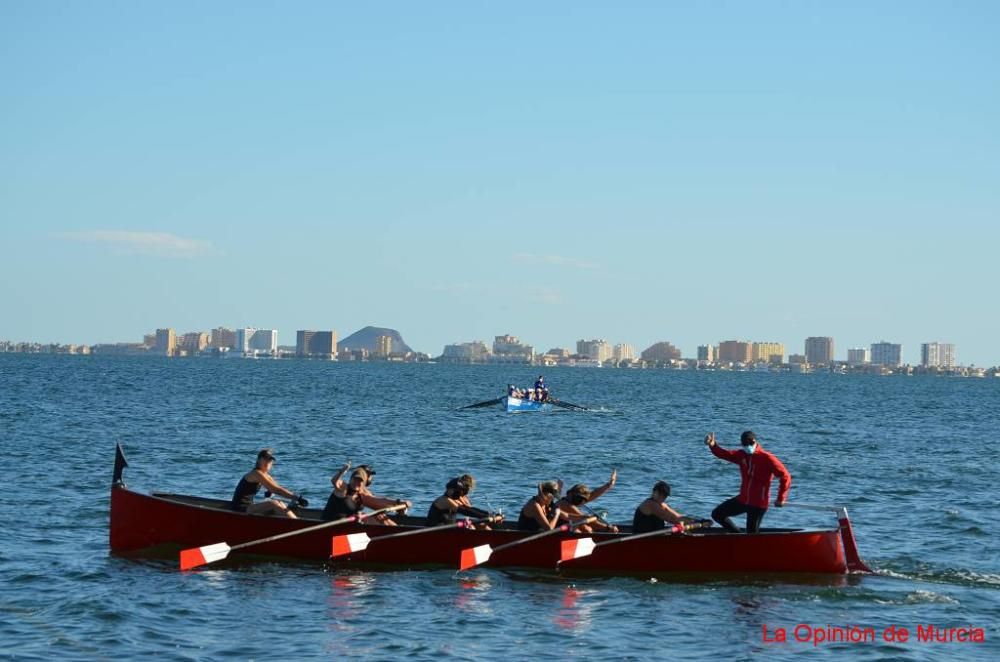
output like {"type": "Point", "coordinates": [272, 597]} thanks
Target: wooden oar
{"type": "Point", "coordinates": [486, 403]}
{"type": "Point", "coordinates": [582, 548]}
{"type": "Point", "coordinates": [565, 405]}
{"type": "Point", "coordinates": [192, 558]}
{"type": "Point", "coordinates": [473, 556]}
{"type": "Point", "coordinates": [357, 542]}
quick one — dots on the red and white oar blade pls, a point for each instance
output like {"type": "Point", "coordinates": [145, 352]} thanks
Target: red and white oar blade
{"type": "Point", "coordinates": [192, 558]}
{"type": "Point", "coordinates": [474, 556]}
{"type": "Point", "coordinates": [576, 548]}
{"type": "Point", "coordinates": [353, 542]}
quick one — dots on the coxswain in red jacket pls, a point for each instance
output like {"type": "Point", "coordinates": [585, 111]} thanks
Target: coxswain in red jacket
{"type": "Point", "coordinates": [757, 468]}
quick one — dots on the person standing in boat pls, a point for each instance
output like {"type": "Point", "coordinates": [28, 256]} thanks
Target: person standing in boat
{"type": "Point", "coordinates": [351, 497]}
{"type": "Point", "coordinates": [653, 513]}
{"type": "Point", "coordinates": [579, 495]}
{"type": "Point", "coordinates": [757, 468]}
{"type": "Point", "coordinates": [251, 483]}
{"type": "Point", "coordinates": [539, 514]}
{"type": "Point", "coordinates": [455, 501]}
{"type": "Point", "coordinates": [541, 391]}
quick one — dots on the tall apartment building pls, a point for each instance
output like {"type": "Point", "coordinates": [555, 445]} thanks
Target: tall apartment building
{"type": "Point", "coordinates": [819, 350]}
{"type": "Point", "coordinates": [193, 342]}
{"type": "Point", "coordinates": [887, 353]}
{"type": "Point", "coordinates": [255, 342]}
{"type": "Point", "coordinates": [222, 338]}
{"type": "Point", "coordinates": [316, 344]}
{"type": "Point", "coordinates": [623, 352]}
{"type": "Point", "coordinates": [595, 349]}
{"type": "Point", "coordinates": [735, 351]}
{"type": "Point", "coordinates": [859, 356]}
{"type": "Point", "coordinates": [467, 352]}
{"type": "Point", "coordinates": [937, 355]}
{"type": "Point", "coordinates": [383, 346]}
{"type": "Point", "coordinates": [508, 349]}
{"type": "Point", "coordinates": [768, 352]}
{"type": "Point", "coordinates": [166, 342]}
{"type": "Point", "coordinates": [706, 353]}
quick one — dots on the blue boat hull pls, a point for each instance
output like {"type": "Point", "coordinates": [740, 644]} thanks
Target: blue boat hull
{"type": "Point", "coordinates": [519, 404]}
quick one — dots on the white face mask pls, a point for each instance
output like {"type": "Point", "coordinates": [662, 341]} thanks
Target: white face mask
{"type": "Point", "coordinates": [750, 450]}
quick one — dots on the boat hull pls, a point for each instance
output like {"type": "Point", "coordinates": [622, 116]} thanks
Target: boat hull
{"type": "Point", "coordinates": [513, 404]}
{"type": "Point", "coordinates": [164, 524]}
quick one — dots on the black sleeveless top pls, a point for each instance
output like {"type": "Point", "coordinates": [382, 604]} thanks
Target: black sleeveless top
{"type": "Point", "coordinates": [527, 522]}
{"type": "Point", "coordinates": [643, 523]}
{"type": "Point", "coordinates": [243, 496]}
{"type": "Point", "coordinates": [338, 507]}
{"type": "Point", "coordinates": [437, 516]}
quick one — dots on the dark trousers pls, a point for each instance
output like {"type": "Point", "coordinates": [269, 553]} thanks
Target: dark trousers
{"type": "Point", "coordinates": [731, 507]}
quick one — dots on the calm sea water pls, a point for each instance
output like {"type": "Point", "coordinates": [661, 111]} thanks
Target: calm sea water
{"type": "Point", "coordinates": [912, 458]}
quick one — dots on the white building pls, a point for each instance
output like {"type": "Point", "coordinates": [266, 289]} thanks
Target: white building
{"type": "Point", "coordinates": [624, 352]}
{"type": "Point", "coordinates": [937, 355]}
{"type": "Point", "coordinates": [887, 353]}
{"type": "Point", "coordinates": [599, 350]}
{"type": "Point", "coordinates": [509, 349]}
{"type": "Point", "coordinates": [256, 342]}
{"type": "Point", "coordinates": [859, 356]}
{"type": "Point", "coordinates": [466, 352]}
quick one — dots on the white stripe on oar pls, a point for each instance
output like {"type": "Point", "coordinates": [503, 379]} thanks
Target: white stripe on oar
{"type": "Point", "coordinates": [474, 556]}
{"type": "Point", "coordinates": [576, 548]}
{"type": "Point", "coordinates": [477, 555]}
{"type": "Point", "coordinates": [352, 542]}
{"type": "Point", "coordinates": [192, 558]}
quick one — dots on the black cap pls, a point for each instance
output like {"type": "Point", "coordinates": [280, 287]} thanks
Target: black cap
{"type": "Point", "coordinates": [662, 487]}
{"type": "Point", "coordinates": [748, 438]}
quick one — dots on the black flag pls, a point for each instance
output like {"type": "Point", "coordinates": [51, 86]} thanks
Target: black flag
{"type": "Point", "coordinates": [120, 464]}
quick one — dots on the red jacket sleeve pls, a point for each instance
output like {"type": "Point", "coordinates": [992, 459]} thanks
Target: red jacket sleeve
{"type": "Point", "coordinates": [727, 455]}
{"type": "Point", "coordinates": [784, 478]}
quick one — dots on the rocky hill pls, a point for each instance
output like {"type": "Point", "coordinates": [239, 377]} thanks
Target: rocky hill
{"type": "Point", "coordinates": [366, 337]}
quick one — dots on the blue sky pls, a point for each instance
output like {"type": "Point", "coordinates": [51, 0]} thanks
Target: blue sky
{"type": "Point", "coordinates": [690, 172]}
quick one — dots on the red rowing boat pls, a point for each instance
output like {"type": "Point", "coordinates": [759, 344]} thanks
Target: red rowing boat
{"type": "Point", "coordinates": [163, 524]}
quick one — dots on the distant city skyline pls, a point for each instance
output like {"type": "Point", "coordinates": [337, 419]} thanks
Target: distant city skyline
{"type": "Point", "coordinates": [816, 349]}
{"type": "Point", "coordinates": [689, 173]}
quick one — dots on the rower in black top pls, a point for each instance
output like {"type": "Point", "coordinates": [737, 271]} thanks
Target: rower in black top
{"type": "Point", "coordinates": [351, 497]}
{"type": "Point", "coordinates": [653, 513]}
{"type": "Point", "coordinates": [534, 516]}
{"type": "Point", "coordinates": [250, 484]}
{"type": "Point", "coordinates": [454, 501]}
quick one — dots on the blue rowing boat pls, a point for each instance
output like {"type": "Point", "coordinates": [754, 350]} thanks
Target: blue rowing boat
{"type": "Point", "coordinates": [521, 404]}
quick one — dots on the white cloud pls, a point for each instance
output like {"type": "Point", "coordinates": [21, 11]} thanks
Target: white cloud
{"type": "Point", "coordinates": [545, 295]}
{"type": "Point", "coordinates": [147, 243]}
{"type": "Point", "coordinates": [554, 260]}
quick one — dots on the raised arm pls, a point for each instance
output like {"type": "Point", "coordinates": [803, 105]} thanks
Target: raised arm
{"type": "Point", "coordinates": [336, 480]}
{"type": "Point", "coordinates": [605, 487]}
{"type": "Point", "coordinates": [720, 452]}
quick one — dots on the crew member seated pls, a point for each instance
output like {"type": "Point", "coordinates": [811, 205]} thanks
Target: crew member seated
{"type": "Point", "coordinates": [351, 497]}
{"type": "Point", "coordinates": [653, 513]}
{"type": "Point", "coordinates": [455, 501]}
{"type": "Point", "coordinates": [251, 483]}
